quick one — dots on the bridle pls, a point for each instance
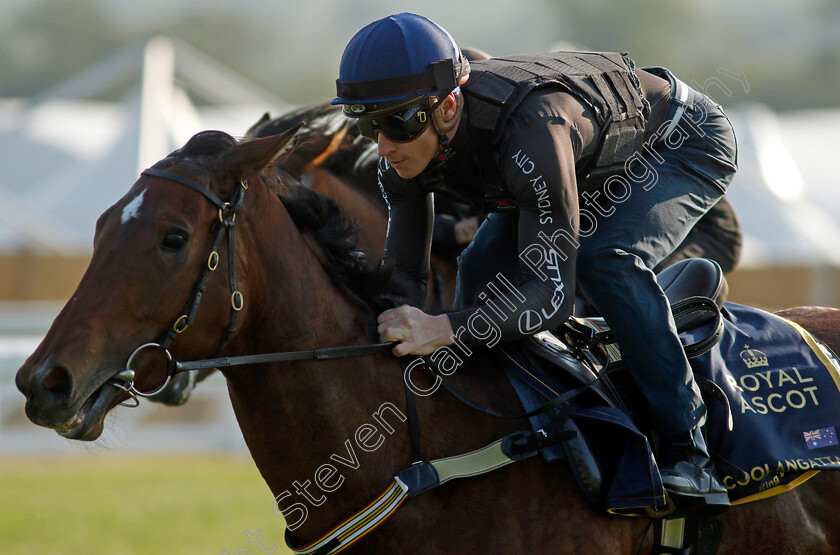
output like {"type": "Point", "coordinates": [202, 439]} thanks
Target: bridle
{"type": "Point", "coordinates": [224, 225]}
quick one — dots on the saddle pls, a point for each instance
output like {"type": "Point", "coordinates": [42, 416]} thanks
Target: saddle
{"type": "Point", "coordinates": [611, 458]}
{"type": "Point", "coordinates": [769, 387]}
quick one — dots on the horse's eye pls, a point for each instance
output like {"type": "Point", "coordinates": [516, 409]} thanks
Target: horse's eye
{"type": "Point", "coordinates": [174, 240]}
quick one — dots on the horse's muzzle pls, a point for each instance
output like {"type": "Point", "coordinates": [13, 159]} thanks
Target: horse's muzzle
{"type": "Point", "coordinates": [47, 389]}
{"type": "Point", "coordinates": [52, 401]}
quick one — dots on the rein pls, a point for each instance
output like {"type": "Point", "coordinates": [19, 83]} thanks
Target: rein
{"type": "Point", "coordinates": [326, 353]}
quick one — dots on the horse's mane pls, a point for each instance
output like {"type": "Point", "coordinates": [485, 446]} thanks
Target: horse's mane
{"type": "Point", "coordinates": [322, 218]}
{"type": "Point", "coordinates": [337, 235]}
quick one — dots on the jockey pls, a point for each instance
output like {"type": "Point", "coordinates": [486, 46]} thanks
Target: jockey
{"type": "Point", "coordinates": [593, 171]}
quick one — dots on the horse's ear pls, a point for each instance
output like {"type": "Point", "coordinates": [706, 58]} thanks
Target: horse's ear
{"type": "Point", "coordinates": [252, 132]}
{"type": "Point", "coordinates": [249, 158]}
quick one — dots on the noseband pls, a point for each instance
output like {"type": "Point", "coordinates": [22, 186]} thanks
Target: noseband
{"type": "Point", "coordinates": [224, 225]}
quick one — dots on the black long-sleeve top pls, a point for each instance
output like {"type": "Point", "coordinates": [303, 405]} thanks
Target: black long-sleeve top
{"type": "Point", "coordinates": [548, 139]}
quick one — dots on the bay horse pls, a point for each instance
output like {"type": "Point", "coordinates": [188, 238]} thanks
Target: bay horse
{"type": "Point", "coordinates": [327, 435]}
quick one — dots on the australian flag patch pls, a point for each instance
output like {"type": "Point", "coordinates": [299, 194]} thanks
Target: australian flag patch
{"type": "Point", "coordinates": [824, 437]}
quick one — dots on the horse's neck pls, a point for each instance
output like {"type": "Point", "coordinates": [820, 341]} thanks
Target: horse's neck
{"type": "Point", "coordinates": [298, 417]}
{"type": "Point", "coordinates": [372, 218]}
{"type": "Point", "coordinates": [295, 305]}
{"type": "Point", "coordinates": [296, 295]}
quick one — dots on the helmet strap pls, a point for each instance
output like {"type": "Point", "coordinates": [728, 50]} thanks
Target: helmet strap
{"type": "Point", "coordinates": [443, 127]}
{"type": "Point", "coordinates": [444, 148]}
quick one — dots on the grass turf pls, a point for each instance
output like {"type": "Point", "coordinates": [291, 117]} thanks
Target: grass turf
{"type": "Point", "coordinates": [136, 506]}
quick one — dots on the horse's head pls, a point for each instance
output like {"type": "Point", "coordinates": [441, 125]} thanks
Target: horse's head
{"type": "Point", "coordinates": [155, 252]}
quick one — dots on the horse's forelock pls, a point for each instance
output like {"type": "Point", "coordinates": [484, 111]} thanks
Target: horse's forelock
{"type": "Point", "coordinates": [203, 144]}
{"type": "Point", "coordinates": [206, 143]}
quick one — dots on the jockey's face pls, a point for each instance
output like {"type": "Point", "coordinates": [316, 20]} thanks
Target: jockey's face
{"type": "Point", "coordinates": [409, 158]}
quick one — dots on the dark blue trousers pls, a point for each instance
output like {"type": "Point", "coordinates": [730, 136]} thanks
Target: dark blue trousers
{"type": "Point", "coordinates": [671, 184]}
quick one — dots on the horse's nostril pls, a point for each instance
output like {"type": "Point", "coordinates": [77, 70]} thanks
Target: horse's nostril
{"type": "Point", "coordinates": [57, 381]}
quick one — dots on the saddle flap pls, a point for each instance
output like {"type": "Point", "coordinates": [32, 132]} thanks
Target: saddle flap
{"type": "Point", "coordinates": [553, 358]}
{"type": "Point", "coordinates": [601, 443]}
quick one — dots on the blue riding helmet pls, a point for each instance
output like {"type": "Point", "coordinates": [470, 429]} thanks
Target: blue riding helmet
{"type": "Point", "coordinates": [394, 60]}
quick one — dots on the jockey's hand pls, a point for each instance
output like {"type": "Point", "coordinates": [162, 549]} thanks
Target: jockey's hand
{"type": "Point", "coordinates": [418, 333]}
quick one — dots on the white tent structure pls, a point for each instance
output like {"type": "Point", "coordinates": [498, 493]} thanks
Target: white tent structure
{"type": "Point", "coordinates": [787, 196]}
{"type": "Point", "coordinates": [785, 192]}
{"type": "Point", "coordinates": [66, 156]}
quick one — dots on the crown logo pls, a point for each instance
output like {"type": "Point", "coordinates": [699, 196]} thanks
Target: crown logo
{"type": "Point", "coordinates": [753, 357]}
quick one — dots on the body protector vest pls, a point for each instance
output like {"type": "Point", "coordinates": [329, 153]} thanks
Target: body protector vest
{"type": "Point", "coordinates": [605, 81]}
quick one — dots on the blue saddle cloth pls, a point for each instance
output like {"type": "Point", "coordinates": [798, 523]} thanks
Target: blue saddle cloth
{"type": "Point", "coordinates": [783, 387]}
{"type": "Point", "coordinates": [783, 391]}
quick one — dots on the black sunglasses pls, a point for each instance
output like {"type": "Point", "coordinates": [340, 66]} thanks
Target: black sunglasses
{"type": "Point", "coordinates": [400, 126]}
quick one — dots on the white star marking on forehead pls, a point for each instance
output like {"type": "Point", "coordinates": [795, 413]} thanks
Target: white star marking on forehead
{"type": "Point", "coordinates": [132, 208]}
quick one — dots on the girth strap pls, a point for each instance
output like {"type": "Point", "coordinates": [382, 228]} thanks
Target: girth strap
{"type": "Point", "coordinates": [423, 475]}
{"type": "Point", "coordinates": [413, 421]}
{"type": "Point", "coordinates": [437, 472]}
